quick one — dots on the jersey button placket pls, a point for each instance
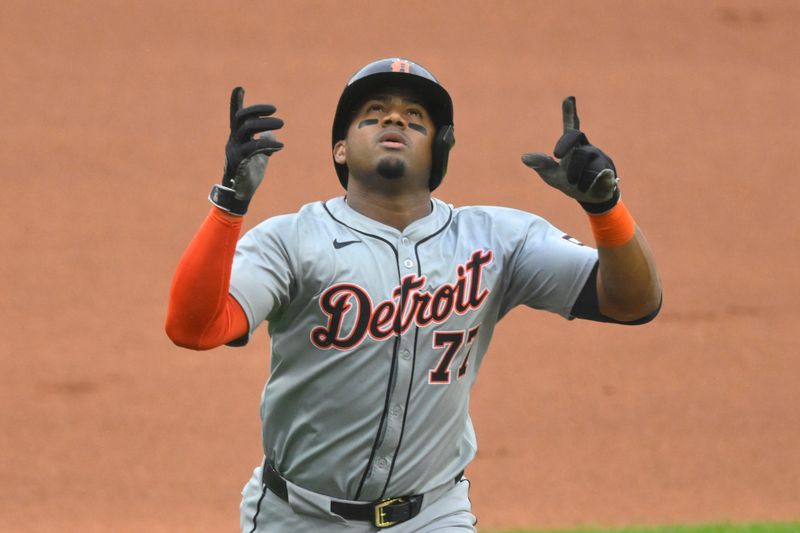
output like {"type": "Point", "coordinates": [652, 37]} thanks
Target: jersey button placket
{"type": "Point", "coordinates": [393, 429]}
{"type": "Point", "coordinates": [406, 249]}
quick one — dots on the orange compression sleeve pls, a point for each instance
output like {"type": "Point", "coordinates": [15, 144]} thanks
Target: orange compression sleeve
{"type": "Point", "coordinates": [201, 313]}
{"type": "Point", "coordinates": [613, 228]}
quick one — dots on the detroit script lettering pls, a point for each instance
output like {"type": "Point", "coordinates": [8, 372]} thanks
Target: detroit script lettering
{"type": "Point", "coordinates": [408, 305]}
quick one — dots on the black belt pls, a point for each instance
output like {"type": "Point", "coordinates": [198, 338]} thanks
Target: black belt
{"type": "Point", "coordinates": [382, 513]}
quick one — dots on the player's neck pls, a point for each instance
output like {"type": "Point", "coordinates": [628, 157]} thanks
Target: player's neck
{"type": "Point", "coordinates": [395, 210]}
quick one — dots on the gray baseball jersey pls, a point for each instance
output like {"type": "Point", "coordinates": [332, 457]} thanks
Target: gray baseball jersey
{"type": "Point", "coordinates": [377, 334]}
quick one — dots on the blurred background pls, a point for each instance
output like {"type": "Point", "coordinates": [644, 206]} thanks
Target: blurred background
{"type": "Point", "coordinates": [113, 120]}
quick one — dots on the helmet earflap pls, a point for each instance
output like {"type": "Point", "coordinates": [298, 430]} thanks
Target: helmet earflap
{"type": "Point", "coordinates": [444, 141]}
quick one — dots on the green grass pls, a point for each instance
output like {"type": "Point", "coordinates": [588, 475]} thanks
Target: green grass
{"type": "Point", "coordinates": [710, 528]}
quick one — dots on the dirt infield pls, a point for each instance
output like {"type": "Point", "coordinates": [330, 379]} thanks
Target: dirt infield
{"type": "Point", "coordinates": [113, 121]}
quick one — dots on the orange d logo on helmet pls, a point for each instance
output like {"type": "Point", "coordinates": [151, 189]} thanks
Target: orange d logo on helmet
{"type": "Point", "coordinates": [401, 65]}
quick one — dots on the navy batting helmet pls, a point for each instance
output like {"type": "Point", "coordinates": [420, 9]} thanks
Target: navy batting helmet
{"type": "Point", "coordinates": [403, 74]}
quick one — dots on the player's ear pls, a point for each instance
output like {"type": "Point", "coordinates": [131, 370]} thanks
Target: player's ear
{"type": "Point", "coordinates": [340, 152]}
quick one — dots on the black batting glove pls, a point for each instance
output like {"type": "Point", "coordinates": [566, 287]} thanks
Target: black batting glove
{"type": "Point", "coordinates": [245, 154]}
{"type": "Point", "coordinates": [584, 172]}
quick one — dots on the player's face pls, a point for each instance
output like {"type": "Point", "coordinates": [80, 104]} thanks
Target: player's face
{"type": "Point", "coordinates": [390, 137]}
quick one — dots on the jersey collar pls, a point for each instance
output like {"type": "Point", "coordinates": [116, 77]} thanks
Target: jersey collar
{"type": "Point", "coordinates": [416, 231]}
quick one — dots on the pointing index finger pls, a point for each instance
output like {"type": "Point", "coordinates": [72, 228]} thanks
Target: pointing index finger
{"type": "Point", "coordinates": [237, 100]}
{"type": "Point", "coordinates": [570, 110]}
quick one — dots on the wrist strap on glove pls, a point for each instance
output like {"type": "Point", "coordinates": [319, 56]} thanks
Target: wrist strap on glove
{"type": "Point", "coordinates": [225, 198]}
{"type": "Point", "coordinates": [602, 207]}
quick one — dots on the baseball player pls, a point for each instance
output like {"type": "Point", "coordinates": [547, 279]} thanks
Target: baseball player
{"type": "Point", "coordinates": [381, 303]}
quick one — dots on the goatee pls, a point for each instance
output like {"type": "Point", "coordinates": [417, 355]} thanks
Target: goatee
{"type": "Point", "coordinates": [391, 168]}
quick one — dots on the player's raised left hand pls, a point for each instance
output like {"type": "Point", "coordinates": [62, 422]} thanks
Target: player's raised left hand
{"type": "Point", "coordinates": [245, 154]}
{"type": "Point", "coordinates": [584, 172]}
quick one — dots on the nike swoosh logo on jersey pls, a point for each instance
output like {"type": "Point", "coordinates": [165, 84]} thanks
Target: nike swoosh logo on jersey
{"type": "Point", "coordinates": [341, 244]}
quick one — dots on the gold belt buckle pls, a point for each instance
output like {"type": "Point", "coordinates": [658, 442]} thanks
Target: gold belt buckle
{"type": "Point", "coordinates": [380, 514]}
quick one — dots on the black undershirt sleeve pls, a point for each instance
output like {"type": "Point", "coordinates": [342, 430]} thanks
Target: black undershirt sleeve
{"type": "Point", "coordinates": [587, 307]}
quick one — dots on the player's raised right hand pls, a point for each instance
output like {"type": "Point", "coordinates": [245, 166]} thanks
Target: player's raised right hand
{"type": "Point", "coordinates": [245, 154]}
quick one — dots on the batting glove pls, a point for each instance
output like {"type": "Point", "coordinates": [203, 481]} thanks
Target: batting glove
{"type": "Point", "coordinates": [245, 154]}
{"type": "Point", "coordinates": [584, 172]}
